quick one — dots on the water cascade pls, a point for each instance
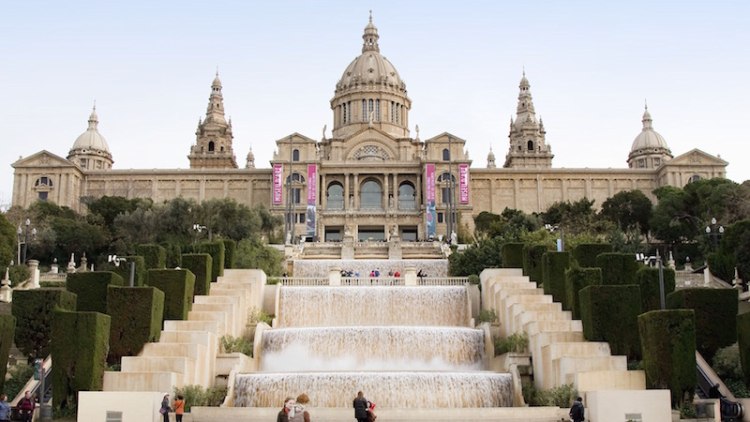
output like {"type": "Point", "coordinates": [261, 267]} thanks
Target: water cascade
{"type": "Point", "coordinates": [321, 267]}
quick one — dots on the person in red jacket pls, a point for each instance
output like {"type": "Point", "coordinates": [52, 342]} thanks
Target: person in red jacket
{"type": "Point", "coordinates": [26, 407]}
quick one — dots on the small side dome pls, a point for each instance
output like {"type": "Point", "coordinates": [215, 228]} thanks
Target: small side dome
{"type": "Point", "coordinates": [91, 139]}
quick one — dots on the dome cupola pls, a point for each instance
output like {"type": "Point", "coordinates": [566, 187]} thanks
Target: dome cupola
{"type": "Point", "coordinates": [649, 149]}
{"type": "Point", "coordinates": [90, 150]}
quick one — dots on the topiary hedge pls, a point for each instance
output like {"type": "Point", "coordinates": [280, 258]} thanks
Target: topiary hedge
{"type": "Point", "coordinates": [200, 265]}
{"type": "Point", "coordinates": [80, 341]}
{"type": "Point", "coordinates": [178, 287]}
{"type": "Point", "coordinates": [91, 289]}
{"type": "Point", "coordinates": [532, 261]}
{"type": "Point", "coordinates": [33, 311]}
{"type": "Point", "coordinates": [743, 338]}
{"type": "Point", "coordinates": [511, 255]}
{"type": "Point", "coordinates": [648, 280]}
{"type": "Point", "coordinates": [610, 313]}
{"type": "Point", "coordinates": [554, 265]}
{"type": "Point", "coordinates": [137, 314]}
{"type": "Point", "coordinates": [715, 316]}
{"type": "Point", "coordinates": [576, 279]}
{"type": "Point", "coordinates": [216, 250]}
{"type": "Point", "coordinates": [155, 256]}
{"type": "Point", "coordinates": [7, 331]}
{"type": "Point", "coordinates": [230, 250]}
{"type": "Point", "coordinates": [172, 255]}
{"type": "Point", "coordinates": [618, 269]}
{"type": "Point", "coordinates": [668, 348]}
{"type": "Point", "coordinates": [123, 270]}
{"type": "Point", "coordinates": [585, 254]}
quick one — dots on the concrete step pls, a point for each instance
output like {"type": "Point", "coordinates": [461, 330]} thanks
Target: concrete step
{"type": "Point", "coordinates": [209, 326]}
{"type": "Point", "coordinates": [566, 368]}
{"type": "Point", "coordinates": [533, 327]}
{"type": "Point", "coordinates": [610, 380]}
{"type": "Point", "coordinates": [188, 350]}
{"type": "Point", "coordinates": [142, 381]}
{"type": "Point", "coordinates": [221, 317]}
{"type": "Point", "coordinates": [179, 365]}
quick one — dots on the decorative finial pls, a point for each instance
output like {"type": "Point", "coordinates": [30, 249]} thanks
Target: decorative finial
{"type": "Point", "coordinates": [217, 71]}
{"type": "Point", "coordinates": [370, 16]}
{"type": "Point", "coordinates": [645, 101]}
{"type": "Point", "coordinates": [524, 70]}
{"type": "Point", "coordinates": [94, 105]}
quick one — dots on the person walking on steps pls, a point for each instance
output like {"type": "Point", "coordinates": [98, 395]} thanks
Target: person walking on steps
{"type": "Point", "coordinates": [4, 408]}
{"type": "Point", "coordinates": [26, 407]}
{"type": "Point", "coordinates": [576, 411]}
{"type": "Point", "coordinates": [284, 412]}
{"type": "Point", "coordinates": [360, 407]}
{"type": "Point", "coordinates": [165, 409]}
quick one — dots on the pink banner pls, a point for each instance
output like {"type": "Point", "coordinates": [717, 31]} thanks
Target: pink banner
{"type": "Point", "coordinates": [463, 183]}
{"type": "Point", "coordinates": [278, 183]}
{"type": "Point", "coordinates": [430, 182]}
{"type": "Point", "coordinates": [312, 183]}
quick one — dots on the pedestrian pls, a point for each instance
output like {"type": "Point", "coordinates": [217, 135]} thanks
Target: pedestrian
{"type": "Point", "coordinates": [360, 407]}
{"type": "Point", "coordinates": [179, 407]}
{"type": "Point", "coordinates": [371, 416]}
{"type": "Point", "coordinates": [576, 411]}
{"type": "Point", "coordinates": [299, 413]}
{"type": "Point", "coordinates": [284, 412]}
{"type": "Point", "coordinates": [390, 273]}
{"type": "Point", "coordinates": [4, 408]}
{"type": "Point", "coordinates": [26, 407]}
{"type": "Point", "coordinates": [164, 410]}
{"type": "Point", "coordinates": [377, 272]}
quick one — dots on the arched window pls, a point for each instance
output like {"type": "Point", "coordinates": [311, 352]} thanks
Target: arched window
{"type": "Point", "coordinates": [445, 189]}
{"type": "Point", "coordinates": [694, 178]}
{"type": "Point", "coordinates": [446, 155]}
{"type": "Point", "coordinates": [43, 181]}
{"type": "Point", "coordinates": [530, 145]}
{"type": "Point", "coordinates": [406, 196]}
{"type": "Point", "coordinates": [344, 112]}
{"type": "Point", "coordinates": [295, 155]}
{"type": "Point", "coordinates": [221, 149]}
{"type": "Point", "coordinates": [377, 110]}
{"type": "Point", "coordinates": [296, 177]}
{"type": "Point", "coordinates": [370, 109]}
{"type": "Point", "coordinates": [371, 195]}
{"type": "Point", "coordinates": [335, 198]}
{"type": "Point", "coordinates": [211, 146]}
{"type": "Point", "coordinates": [364, 110]}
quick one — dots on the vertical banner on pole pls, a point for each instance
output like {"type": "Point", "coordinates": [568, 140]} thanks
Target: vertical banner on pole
{"type": "Point", "coordinates": [278, 190]}
{"type": "Point", "coordinates": [463, 183]}
{"type": "Point", "coordinates": [312, 196]}
{"type": "Point", "coordinates": [429, 180]}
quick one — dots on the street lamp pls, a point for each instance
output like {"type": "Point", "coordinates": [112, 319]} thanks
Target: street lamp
{"type": "Point", "coordinates": [713, 232]}
{"type": "Point", "coordinates": [24, 234]}
{"type": "Point", "coordinates": [199, 228]}
{"type": "Point", "coordinates": [114, 259]}
{"type": "Point", "coordinates": [560, 242]}
{"type": "Point", "coordinates": [648, 260]}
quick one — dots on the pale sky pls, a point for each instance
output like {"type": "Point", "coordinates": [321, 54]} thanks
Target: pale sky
{"type": "Point", "coordinates": [149, 66]}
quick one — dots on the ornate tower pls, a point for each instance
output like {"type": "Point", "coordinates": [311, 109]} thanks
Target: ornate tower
{"type": "Point", "coordinates": [213, 147]}
{"type": "Point", "coordinates": [528, 148]}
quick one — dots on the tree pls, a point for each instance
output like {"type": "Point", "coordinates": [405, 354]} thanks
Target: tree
{"type": "Point", "coordinates": [630, 210]}
{"type": "Point", "coordinates": [477, 257]}
{"type": "Point", "coordinates": [7, 242]}
{"type": "Point", "coordinates": [252, 253]}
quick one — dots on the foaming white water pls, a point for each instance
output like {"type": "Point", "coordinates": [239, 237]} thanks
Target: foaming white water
{"type": "Point", "coordinates": [372, 348]}
{"type": "Point", "coordinates": [321, 267]}
{"type": "Point", "coordinates": [387, 389]}
{"type": "Point", "coordinates": [373, 306]}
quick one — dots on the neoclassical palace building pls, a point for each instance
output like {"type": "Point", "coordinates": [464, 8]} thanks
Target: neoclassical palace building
{"type": "Point", "coordinates": [371, 177]}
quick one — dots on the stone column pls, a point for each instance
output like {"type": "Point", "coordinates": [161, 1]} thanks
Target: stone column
{"type": "Point", "coordinates": [395, 190]}
{"type": "Point", "coordinates": [334, 276]}
{"type": "Point", "coordinates": [346, 191]}
{"type": "Point", "coordinates": [385, 191]}
{"type": "Point", "coordinates": [6, 293]}
{"type": "Point", "coordinates": [410, 276]}
{"type": "Point", "coordinates": [323, 191]}
{"type": "Point", "coordinates": [356, 191]}
{"type": "Point", "coordinates": [34, 269]}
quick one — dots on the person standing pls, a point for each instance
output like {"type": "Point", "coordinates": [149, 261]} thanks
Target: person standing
{"type": "Point", "coordinates": [284, 412]}
{"type": "Point", "coordinates": [4, 408]}
{"type": "Point", "coordinates": [299, 413]}
{"type": "Point", "coordinates": [26, 407]}
{"type": "Point", "coordinates": [164, 410]}
{"type": "Point", "coordinates": [360, 407]}
{"type": "Point", "coordinates": [179, 407]}
{"type": "Point", "coordinates": [577, 411]}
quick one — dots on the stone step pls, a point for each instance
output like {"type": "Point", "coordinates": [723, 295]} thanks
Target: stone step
{"type": "Point", "coordinates": [517, 310]}
{"type": "Point", "coordinates": [142, 381]}
{"type": "Point", "coordinates": [188, 350]}
{"type": "Point", "coordinates": [566, 368]}
{"type": "Point", "coordinates": [540, 316]}
{"type": "Point", "coordinates": [609, 380]}
{"type": "Point", "coordinates": [209, 326]}
{"type": "Point", "coordinates": [551, 353]}
{"type": "Point", "coordinates": [221, 317]}
{"type": "Point", "coordinates": [232, 319]}
{"type": "Point", "coordinates": [533, 327]}
{"type": "Point", "coordinates": [179, 365]}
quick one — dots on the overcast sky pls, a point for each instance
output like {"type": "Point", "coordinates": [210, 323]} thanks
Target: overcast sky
{"type": "Point", "coordinates": [149, 66]}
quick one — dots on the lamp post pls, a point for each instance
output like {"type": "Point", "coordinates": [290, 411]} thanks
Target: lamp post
{"type": "Point", "coordinates": [561, 242]}
{"type": "Point", "coordinates": [713, 232]}
{"type": "Point", "coordinates": [24, 234]}
{"type": "Point", "coordinates": [199, 228]}
{"type": "Point", "coordinates": [114, 259]}
{"type": "Point", "coordinates": [648, 260]}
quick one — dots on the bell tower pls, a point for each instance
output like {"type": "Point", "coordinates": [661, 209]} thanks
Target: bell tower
{"type": "Point", "coordinates": [213, 147]}
{"type": "Point", "coordinates": [528, 148]}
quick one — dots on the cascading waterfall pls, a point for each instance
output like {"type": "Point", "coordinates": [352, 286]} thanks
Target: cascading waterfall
{"type": "Point", "coordinates": [321, 267]}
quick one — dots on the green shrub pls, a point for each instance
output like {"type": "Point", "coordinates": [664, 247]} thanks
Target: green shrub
{"type": "Point", "coordinates": [727, 364]}
{"type": "Point", "coordinates": [18, 274]}
{"type": "Point", "coordinates": [743, 339]}
{"type": "Point", "coordinates": [91, 289]}
{"type": "Point", "coordinates": [172, 255]}
{"type": "Point", "coordinates": [195, 395]}
{"type": "Point", "coordinates": [256, 315]}
{"type": "Point", "coordinates": [52, 284]}
{"type": "Point", "coordinates": [80, 342]}
{"type": "Point", "coordinates": [648, 279]}
{"type": "Point", "coordinates": [33, 310]}
{"type": "Point", "coordinates": [230, 251]}
{"type": "Point", "coordinates": [216, 250]}
{"type": "Point", "coordinates": [486, 315]}
{"type": "Point", "coordinates": [554, 265]}
{"type": "Point", "coordinates": [178, 287]}
{"type": "Point", "coordinates": [18, 376]}
{"type": "Point", "coordinates": [231, 344]}
{"type": "Point", "coordinates": [576, 279]}
{"type": "Point", "coordinates": [512, 255]}
{"type": "Point", "coordinates": [562, 396]}
{"type": "Point", "coordinates": [200, 265]}
{"type": "Point", "coordinates": [137, 313]}
{"type": "Point", "coordinates": [610, 313]}
{"type": "Point", "coordinates": [715, 316]}
{"type": "Point", "coordinates": [7, 331]}
{"type": "Point", "coordinates": [585, 254]}
{"type": "Point", "coordinates": [618, 269]}
{"type": "Point", "coordinates": [515, 343]}
{"type": "Point", "coordinates": [668, 348]}
{"type": "Point", "coordinates": [474, 279]}
{"type": "Point", "coordinates": [532, 261]}
{"type": "Point", "coordinates": [154, 256]}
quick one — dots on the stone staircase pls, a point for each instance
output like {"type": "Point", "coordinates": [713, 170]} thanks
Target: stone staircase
{"type": "Point", "coordinates": [560, 354]}
{"type": "Point", "coordinates": [187, 350]}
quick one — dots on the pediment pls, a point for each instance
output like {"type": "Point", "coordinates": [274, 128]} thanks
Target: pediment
{"type": "Point", "coordinates": [443, 137]}
{"type": "Point", "coordinates": [371, 144]}
{"type": "Point", "coordinates": [697, 157]}
{"type": "Point", "coordinates": [296, 139]}
{"type": "Point", "coordinates": [43, 158]}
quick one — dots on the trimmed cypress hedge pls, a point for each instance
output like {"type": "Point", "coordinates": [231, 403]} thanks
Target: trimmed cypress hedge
{"type": "Point", "coordinates": [511, 255]}
{"type": "Point", "coordinates": [123, 270]}
{"type": "Point", "coordinates": [172, 255]}
{"type": "Point", "coordinates": [154, 256]}
{"type": "Point", "coordinates": [668, 348]}
{"type": "Point", "coordinates": [80, 341]}
{"type": "Point", "coordinates": [7, 331]}
{"type": "Point", "coordinates": [230, 250]}
{"type": "Point", "coordinates": [178, 287]}
{"type": "Point", "coordinates": [200, 265]}
{"type": "Point", "coordinates": [33, 311]}
{"type": "Point", "coordinates": [532, 261]}
{"type": "Point", "coordinates": [610, 313]}
{"type": "Point", "coordinates": [585, 253]}
{"type": "Point", "coordinates": [715, 316]}
{"type": "Point", "coordinates": [91, 289]}
{"type": "Point", "coordinates": [216, 250]}
{"type": "Point", "coordinates": [137, 313]}
{"type": "Point", "coordinates": [576, 279]}
{"type": "Point", "coordinates": [554, 265]}
{"type": "Point", "coordinates": [648, 280]}
{"type": "Point", "coordinates": [618, 269]}
{"type": "Point", "coordinates": [743, 338]}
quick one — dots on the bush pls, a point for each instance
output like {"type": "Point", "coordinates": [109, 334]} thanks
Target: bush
{"type": "Point", "coordinates": [668, 348]}
{"type": "Point", "coordinates": [715, 316]}
{"type": "Point", "coordinates": [7, 331]}
{"type": "Point", "coordinates": [743, 340]}
{"type": "Point", "coordinates": [474, 279]}
{"type": "Point", "coordinates": [532, 261]}
{"type": "Point", "coordinates": [512, 255]}
{"type": "Point", "coordinates": [195, 395]}
{"type": "Point", "coordinates": [18, 377]}
{"type": "Point", "coordinates": [154, 256]}
{"type": "Point", "coordinates": [585, 254]}
{"type": "Point", "coordinates": [648, 280]}
{"type": "Point", "coordinates": [554, 265]}
{"type": "Point", "coordinates": [216, 250]}
{"type": "Point", "coordinates": [172, 255]}
{"type": "Point", "coordinates": [230, 344]}
{"type": "Point", "coordinates": [610, 313]}
{"type": "Point", "coordinates": [230, 250]}
{"type": "Point", "coordinates": [618, 269]}
{"type": "Point", "coordinates": [33, 310]}
{"type": "Point", "coordinates": [137, 313]}
{"type": "Point", "coordinates": [562, 396]}
{"type": "Point", "coordinates": [178, 287]}
{"type": "Point", "coordinates": [515, 343]}
{"type": "Point", "coordinates": [726, 363]}
{"type": "Point", "coordinates": [80, 342]}
{"type": "Point", "coordinates": [91, 289]}
{"type": "Point", "coordinates": [200, 265]}
{"type": "Point", "coordinates": [18, 274]}
{"type": "Point", "coordinates": [575, 280]}
{"type": "Point", "coordinates": [256, 315]}
{"type": "Point", "coordinates": [486, 315]}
